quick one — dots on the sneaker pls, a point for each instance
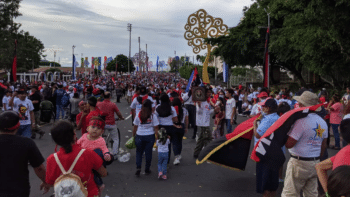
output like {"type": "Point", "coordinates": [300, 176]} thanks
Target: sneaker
{"type": "Point", "coordinates": [179, 157]}
{"type": "Point", "coordinates": [138, 172]}
{"type": "Point", "coordinates": [160, 175]}
{"type": "Point", "coordinates": [164, 177]}
{"type": "Point", "coordinates": [147, 172]}
{"type": "Point", "coordinates": [177, 161]}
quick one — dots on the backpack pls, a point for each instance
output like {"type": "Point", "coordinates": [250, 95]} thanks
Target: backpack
{"type": "Point", "coordinates": [69, 184]}
{"type": "Point", "coordinates": [65, 100]}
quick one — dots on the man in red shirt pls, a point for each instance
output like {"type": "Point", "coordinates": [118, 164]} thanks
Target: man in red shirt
{"type": "Point", "coordinates": [108, 108]}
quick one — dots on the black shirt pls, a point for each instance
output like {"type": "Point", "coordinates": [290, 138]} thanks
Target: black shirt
{"type": "Point", "coordinates": [36, 97]}
{"type": "Point", "coordinates": [15, 153]}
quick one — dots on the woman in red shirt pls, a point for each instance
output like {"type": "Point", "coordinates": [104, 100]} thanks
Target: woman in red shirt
{"type": "Point", "coordinates": [63, 134]}
{"type": "Point", "coordinates": [336, 115]}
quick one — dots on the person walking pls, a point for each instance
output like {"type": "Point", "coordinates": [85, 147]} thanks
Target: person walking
{"type": "Point", "coordinates": [230, 110]}
{"type": "Point", "coordinates": [59, 93]}
{"type": "Point", "coordinates": [191, 108]}
{"type": "Point", "coordinates": [335, 109]}
{"type": "Point", "coordinates": [74, 110]}
{"type": "Point", "coordinates": [36, 100]}
{"type": "Point", "coordinates": [306, 143]}
{"type": "Point", "coordinates": [145, 132]}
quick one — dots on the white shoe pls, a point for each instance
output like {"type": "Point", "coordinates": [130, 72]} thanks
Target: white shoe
{"type": "Point", "coordinates": [179, 156]}
{"type": "Point", "coordinates": [176, 161]}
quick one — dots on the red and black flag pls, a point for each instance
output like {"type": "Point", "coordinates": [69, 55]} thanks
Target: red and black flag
{"type": "Point", "coordinates": [269, 147]}
{"type": "Point", "coordinates": [232, 150]}
{"type": "Point", "coordinates": [13, 74]}
{"type": "Point", "coordinates": [266, 60]}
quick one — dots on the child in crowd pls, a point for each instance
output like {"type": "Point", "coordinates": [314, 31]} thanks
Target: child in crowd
{"type": "Point", "coordinates": [219, 116]}
{"type": "Point", "coordinates": [248, 109]}
{"type": "Point", "coordinates": [93, 141]}
{"type": "Point", "coordinates": [163, 152]}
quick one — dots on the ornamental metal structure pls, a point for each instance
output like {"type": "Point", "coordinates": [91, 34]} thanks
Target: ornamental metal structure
{"type": "Point", "coordinates": [140, 60]}
{"type": "Point", "coordinates": [199, 26]}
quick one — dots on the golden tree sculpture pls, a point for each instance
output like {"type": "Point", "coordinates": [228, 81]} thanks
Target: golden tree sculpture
{"type": "Point", "coordinates": [200, 25]}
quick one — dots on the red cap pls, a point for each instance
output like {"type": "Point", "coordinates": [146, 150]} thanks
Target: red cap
{"type": "Point", "coordinates": [262, 94]}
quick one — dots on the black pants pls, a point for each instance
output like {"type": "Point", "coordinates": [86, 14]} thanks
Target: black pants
{"type": "Point", "coordinates": [239, 106]}
{"type": "Point", "coordinates": [192, 118]}
{"type": "Point", "coordinates": [175, 139]}
{"type": "Point", "coordinates": [73, 118]}
{"type": "Point", "coordinates": [118, 98]}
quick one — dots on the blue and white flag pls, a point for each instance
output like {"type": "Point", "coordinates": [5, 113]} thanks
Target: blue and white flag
{"type": "Point", "coordinates": [109, 59]}
{"type": "Point", "coordinates": [189, 82]}
{"type": "Point", "coordinates": [225, 72]}
{"type": "Point", "coordinates": [157, 62]}
{"type": "Point", "coordinates": [73, 66]}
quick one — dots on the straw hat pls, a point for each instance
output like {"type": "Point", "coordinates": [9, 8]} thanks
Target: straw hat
{"type": "Point", "coordinates": [307, 99]}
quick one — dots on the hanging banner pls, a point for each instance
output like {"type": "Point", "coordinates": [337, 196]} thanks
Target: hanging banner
{"type": "Point", "coordinates": [99, 63]}
{"type": "Point", "coordinates": [92, 63]}
{"type": "Point", "coordinates": [82, 62]}
{"type": "Point", "coordinates": [105, 62]}
{"type": "Point", "coordinates": [86, 62]}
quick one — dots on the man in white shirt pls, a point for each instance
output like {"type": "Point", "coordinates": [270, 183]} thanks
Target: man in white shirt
{"type": "Point", "coordinates": [191, 108]}
{"type": "Point", "coordinates": [203, 112]}
{"type": "Point", "coordinates": [25, 108]}
{"type": "Point", "coordinates": [306, 143]}
{"type": "Point", "coordinates": [6, 100]}
{"type": "Point", "coordinates": [230, 110]}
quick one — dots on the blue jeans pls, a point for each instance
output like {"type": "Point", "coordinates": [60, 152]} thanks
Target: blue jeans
{"type": "Point", "coordinates": [144, 144]}
{"type": "Point", "coordinates": [228, 126]}
{"type": "Point", "coordinates": [162, 162]}
{"type": "Point", "coordinates": [59, 108]}
{"type": "Point", "coordinates": [336, 134]}
{"type": "Point", "coordinates": [25, 131]}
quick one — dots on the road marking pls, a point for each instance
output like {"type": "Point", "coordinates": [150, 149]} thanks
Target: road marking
{"type": "Point", "coordinates": [128, 117]}
{"type": "Point", "coordinates": [129, 131]}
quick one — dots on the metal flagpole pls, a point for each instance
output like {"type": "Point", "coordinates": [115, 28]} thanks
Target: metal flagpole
{"type": "Point", "coordinates": [129, 29]}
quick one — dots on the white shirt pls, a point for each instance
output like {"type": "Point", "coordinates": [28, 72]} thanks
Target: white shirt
{"type": "Point", "coordinates": [230, 104]}
{"type": "Point", "coordinates": [187, 100]}
{"type": "Point", "coordinates": [185, 112]}
{"type": "Point", "coordinates": [23, 108]}
{"type": "Point", "coordinates": [137, 106]}
{"type": "Point", "coordinates": [6, 100]}
{"type": "Point", "coordinates": [255, 94]}
{"type": "Point", "coordinates": [166, 121]}
{"type": "Point", "coordinates": [241, 97]}
{"type": "Point", "coordinates": [309, 132]}
{"type": "Point", "coordinates": [347, 116]}
{"type": "Point", "coordinates": [163, 148]}
{"type": "Point", "coordinates": [147, 128]}
{"type": "Point", "coordinates": [203, 114]}
{"type": "Point", "coordinates": [250, 97]}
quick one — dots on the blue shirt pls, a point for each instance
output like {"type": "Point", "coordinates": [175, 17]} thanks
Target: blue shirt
{"type": "Point", "coordinates": [59, 94]}
{"type": "Point", "coordinates": [265, 123]}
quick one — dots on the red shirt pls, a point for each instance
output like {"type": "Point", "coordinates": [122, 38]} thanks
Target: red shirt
{"type": "Point", "coordinates": [83, 124]}
{"type": "Point", "coordinates": [135, 95]}
{"type": "Point", "coordinates": [342, 157]}
{"type": "Point", "coordinates": [88, 161]}
{"type": "Point", "coordinates": [94, 113]}
{"type": "Point", "coordinates": [109, 108]}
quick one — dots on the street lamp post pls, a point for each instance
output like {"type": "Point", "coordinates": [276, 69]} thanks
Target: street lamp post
{"type": "Point", "coordinates": [140, 54]}
{"type": "Point", "coordinates": [73, 74]}
{"type": "Point", "coordinates": [129, 29]}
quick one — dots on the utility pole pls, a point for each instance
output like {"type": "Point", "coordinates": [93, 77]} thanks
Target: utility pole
{"type": "Point", "coordinates": [140, 54]}
{"type": "Point", "coordinates": [73, 74]}
{"type": "Point", "coordinates": [215, 69]}
{"type": "Point", "coordinates": [129, 29]}
{"type": "Point", "coordinates": [54, 56]}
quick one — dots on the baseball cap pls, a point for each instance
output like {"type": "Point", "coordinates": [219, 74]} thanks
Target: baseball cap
{"type": "Point", "coordinates": [269, 102]}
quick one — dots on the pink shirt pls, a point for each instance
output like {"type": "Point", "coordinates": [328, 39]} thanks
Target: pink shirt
{"type": "Point", "coordinates": [100, 143]}
{"type": "Point", "coordinates": [336, 114]}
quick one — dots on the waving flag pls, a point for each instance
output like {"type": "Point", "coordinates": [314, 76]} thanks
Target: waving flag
{"type": "Point", "coordinates": [92, 63]}
{"type": "Point", "coordinates": [232, 150]}
{"type": "Point", "coordinates": [269, 146]}
{"type": "Point", "coordinates": [99, 63]}
{"type": "Point", "coordinates": [109, 59]}
{"type": "Point", "coordinates": [3, 86]}
{"type": "Point", "coordinates": [189, 82]}
{"type": "Point", "coordinates": [225, 72]}
{"type": "Point", "coordinates": [13, 74]}
{"type": "Point", "coordinates": [266, 60]}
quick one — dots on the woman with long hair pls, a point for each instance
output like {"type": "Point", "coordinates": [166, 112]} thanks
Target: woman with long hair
{"type": "Point", "coordinates": [63, 135]}
{"type": "Point", "coordinates": [180, 129]}
{"type": "Point", "coordinates": [145, 131]}
{"type": "Point", "coordinates": [167, 118]}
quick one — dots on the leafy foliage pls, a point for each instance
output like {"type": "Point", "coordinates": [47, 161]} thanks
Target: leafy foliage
{"type": "Point", "coordinates": [29, 48]}
{"type": "Point", "coordinates": [122, 61]}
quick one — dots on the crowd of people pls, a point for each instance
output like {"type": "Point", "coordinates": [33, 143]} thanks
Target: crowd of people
{"type": "Point", "coordinates": [163, 109]}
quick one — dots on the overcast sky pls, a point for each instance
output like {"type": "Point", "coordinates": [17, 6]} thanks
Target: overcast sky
{"type": "Point", "coordinates": [99, 28]}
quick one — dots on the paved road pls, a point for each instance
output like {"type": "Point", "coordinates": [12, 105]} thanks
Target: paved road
{"type": "Point", "coordinates": [186, 179]}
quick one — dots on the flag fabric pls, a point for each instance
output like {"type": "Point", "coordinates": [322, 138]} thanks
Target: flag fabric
{"type": "Point", "coordinates": [99, 63]}
{"type": "Point", "coordinates": [189, 82]}
{"type": "Point", "coordinates": [266, 60]}
{"type": "Point", "coordinates": [269, 147]}
{"type": "Point", "coordinates": [13, 74]}
{"type": "Point", "coordinates": [157, 62]}
{"type": "Point", "coordinates": [109, 59]}
{"type": "Point", "coordinates": [225, 72]}
{"type": "Point", "coordinates": [113, 80]}
{"type": "Point", "coordinates": [73, 65]}
{"type": "Point", "coordinates": [232, 150]}
{"type": "Point", "coordinates": [92, 63]}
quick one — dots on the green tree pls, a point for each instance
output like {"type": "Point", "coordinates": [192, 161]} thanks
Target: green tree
{"type": "Point", "coordinates": [29, 48]}
{"type": "Point", "coordinates": [122, 61]}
